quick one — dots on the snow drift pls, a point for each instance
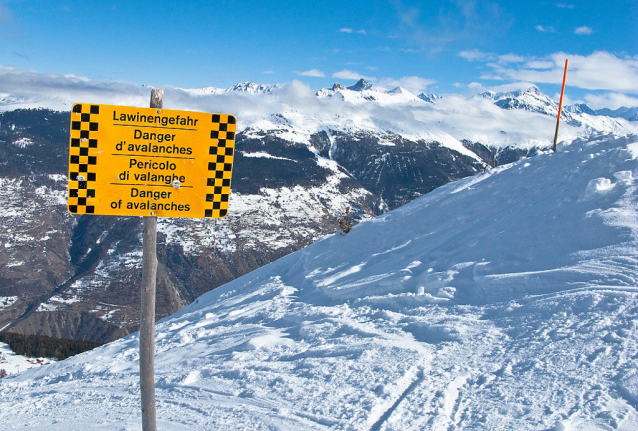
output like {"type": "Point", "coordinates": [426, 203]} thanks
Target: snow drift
{"type": "Point", "coordinates": [507, 300]}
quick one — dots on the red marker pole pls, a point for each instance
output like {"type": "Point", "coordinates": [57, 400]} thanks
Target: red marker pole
{"type": "Point", "coordinates": [560, 106]}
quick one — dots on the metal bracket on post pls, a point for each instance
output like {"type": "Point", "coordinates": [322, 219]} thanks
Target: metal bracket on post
{"type": "Point", "coordinates": [147, 311]}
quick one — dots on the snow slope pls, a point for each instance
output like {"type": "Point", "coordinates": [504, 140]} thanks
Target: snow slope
{"type": "Point", "coordinates": [12, 363]}
{"type": "Point", "coordinates": [508, 300]}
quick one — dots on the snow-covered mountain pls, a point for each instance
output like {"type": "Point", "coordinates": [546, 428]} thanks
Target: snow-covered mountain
{"type": "Point", "coordinates": [507, 300]}
{"type": "Point", "coordinates": [533, 100]}
{"type": "Point", "coordinates": [431, 98]}
{"type": "Point", "coordinates": [244, 87]}
{"type": "Point", "coordinates": [302, 158]}
{"type": "Point", "coordinates": [364, 92]}
{"type": "Point", "coordinates": [630, 114]}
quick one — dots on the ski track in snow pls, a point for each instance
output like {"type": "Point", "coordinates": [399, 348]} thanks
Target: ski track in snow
{"type": "Point", "coordinates": [504, 301]}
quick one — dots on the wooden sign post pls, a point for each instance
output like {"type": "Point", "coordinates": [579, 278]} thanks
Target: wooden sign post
{"type": "Point", "coordinates": [147, 310]}
{"type": "Point", "coordinates": [149, 162]}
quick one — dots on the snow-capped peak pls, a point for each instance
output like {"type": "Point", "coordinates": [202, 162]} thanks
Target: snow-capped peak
{"type": "Point", "coordinates": [579, 108]}
{"type": "Point", "coordinates": [243, 87]}
{"type": "Point", "coordinates": [251, 87]}
{"type": "Point", "coordinates": [488, 95]}
{"type": "Point", "coordinates": [430, 98]}
{"type": "Point", "coordinates": [398, 90]}
{"type": "Point", "coordinates": [361, 85]}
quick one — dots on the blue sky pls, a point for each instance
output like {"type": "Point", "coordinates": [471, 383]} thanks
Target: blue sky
{"type": "Point", "coordinates": [454, 46]}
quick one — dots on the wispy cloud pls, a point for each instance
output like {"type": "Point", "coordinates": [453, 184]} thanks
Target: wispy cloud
{"type": "Point", "coordinates": [598, 71]}
{"type": "Point", "coordinates": [539, 64]}
{"type": "Point", "coordinates": [610, 100]}
{"type": "Point", "coordinates": [478, 87]}
{"type": "Point", "coordinates": [313, 72]}
{"type": "Point", "coordinates": [350, 31]}
{"type": "Point", "coordinates": [411, 50]}
{"type": "Point", "coordinates": [5, 14]}
{"type": "Point", "coordinates": [68, 89]}
{"type": "Point", "coordinates": [9, 26]}
{"type": "Point", "coordinates": [349, 74]}
{"type": "Point", "coordinates": [565, 6]}
{"type": "Point", "coordinates": [492, 77]}
{"type": "Point", "coordinates": [457, 20]}
{"type": "Point", "coordinates": [268, 72]}
{"type": "Point", "coordinates": [476, 55]}
{"type": "Point", "coordinates": [584, 30]}
{"type": "Point", "coordinates": [511, 58]}
{"type": "Point", "coordinates": [545, 29]}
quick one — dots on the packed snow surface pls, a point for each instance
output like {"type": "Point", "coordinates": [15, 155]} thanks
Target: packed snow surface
{"type": "Point", "coordinates": [508, 300]}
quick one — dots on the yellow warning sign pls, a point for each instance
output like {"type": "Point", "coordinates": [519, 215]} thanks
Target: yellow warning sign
{"type": "Point", "coordinates": [149, 162]}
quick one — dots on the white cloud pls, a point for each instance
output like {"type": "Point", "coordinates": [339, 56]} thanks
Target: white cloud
{"type": "Point", "coordinates": [298, 102]}
{"type": "Point", "coordinates": [349, 74]}
{"type": "Point", "coordinates": [476, 87]}
{"type": "Point", "coordinates": [63, 91]}
{"type": "Point", "coordinates": [492, 77]}
{"type": "Point", "coordinates": [565, 6]}
{"type": "Point", "coordinates": [567, 100]}
{"type": "Point", "coordinates": [610, 100]}
{"type": "Point", "coordinates": [313, 72]}
{"type": "Point", "coordinates": [539, 64]}
{"type": "Point", "coordinates": [583, 30]}
{"type": "Point", "coordinates": [598, 71]}
{"type": "Point", "coordinates": [545, 29]}
{"type": "Point", "coordinates": [413, 84]}
{"type": "Point", "coordinates": [350, 31]}
{"type": "Point", "coordinates": [268, 71]}
{"type": "Point", "coordinates": [433, 29]}
{"type": "Point", "coordinates": [512, 86]}
{"type": "Point", "coordinates": [511, 58]}
{"type": "Point", "coordinates": [411, 50]}
{"type": "Point", "coordinates": [475, 55]}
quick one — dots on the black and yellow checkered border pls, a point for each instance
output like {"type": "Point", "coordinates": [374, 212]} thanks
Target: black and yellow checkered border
{"type": "Point", "coordinates": [220, 165]}
{"type": "Point", "coordinates": [82, 164]}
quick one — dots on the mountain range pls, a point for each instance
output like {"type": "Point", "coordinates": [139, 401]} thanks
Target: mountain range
{"type": "Point", "coordinates": [302, 158]}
